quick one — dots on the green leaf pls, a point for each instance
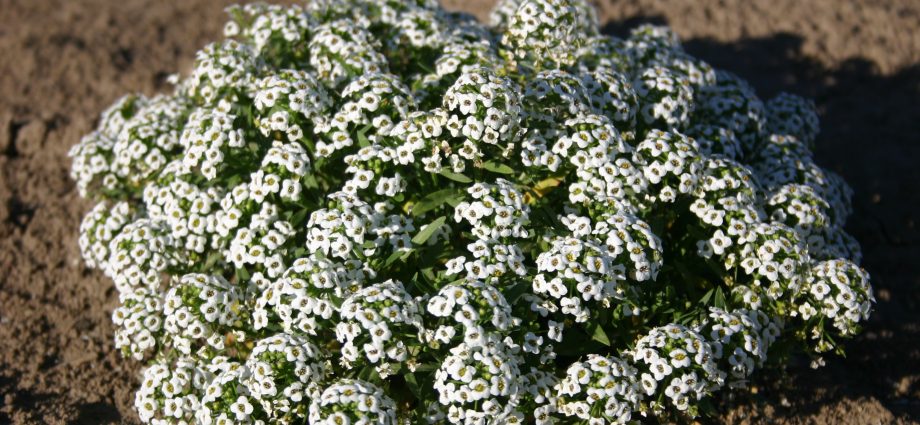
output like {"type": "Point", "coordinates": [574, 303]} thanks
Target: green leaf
{"type": "Point", "coordinates": [396, 255]}
{"type": "Point", "coordinates": [720, 298]}
{"type": "Point", "coordinates": [455, 200]}
{"type": "Point", "coordinates": [429, 277]}
{"type": "Point", "coordinates": [298, 217]}
{"type": "Point", "coordinates": [542, 187]}
{"type": "Point", "coordinates": [551, 215]}
{"type": "Point", "coordinates": [309, 181]}
{"type": "Point", "coordinates": [515, 291]}
{"type": "Point", "coordinates": [242, 275]}
{"type": "Point", "coordinates": [686, 318]}
{"type": "Point", "coordinates": [362, 136]}
{"type": "Point", "coordinates": [496, 167]}
{"type": "Point", "coordinates": [707, 408]}
{"type": "Point", "coordinates": [211, 260]}
{"type": "Point", "coordinates": [599, 335]}
{"type": "Point", "coordinates": [707, 297]}
{"type": "Point", "coordinates": [426, 367]}
{"type": "Point", "coordinates": [368, 373]}
{"type": "Point", "coordinates": [426, 232]}
{"type": "Point", "coordinates": [435, 200]}
{"type": "Point", "coordinates": [430, 254]}
{"type": "Point", "coordinates": [413, 385]}
{"type": "Point", "coordinates": [234, 180]}
{"type": "Point", "coordinates": [460, 178]}
{"type": "Point", "coordinates": [575, 344]}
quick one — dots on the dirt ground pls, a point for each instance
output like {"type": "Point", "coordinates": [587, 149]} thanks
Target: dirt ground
{"type": "Point", "coordinates": [64, 61]}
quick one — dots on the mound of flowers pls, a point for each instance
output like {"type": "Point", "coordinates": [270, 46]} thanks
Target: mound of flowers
{"type": "Point", "coordinates": [377, 211]}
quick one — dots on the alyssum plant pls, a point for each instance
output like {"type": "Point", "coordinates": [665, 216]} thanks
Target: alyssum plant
{"type": "Point", "coordinates": [377, 211]}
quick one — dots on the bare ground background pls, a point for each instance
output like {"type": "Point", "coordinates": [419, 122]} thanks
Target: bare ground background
{"type": "Point", "coordinates": [62, 62]}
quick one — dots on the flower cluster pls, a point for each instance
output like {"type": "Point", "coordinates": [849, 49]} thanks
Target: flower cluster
{"type": "Point", "coordinates": [666, 98]}
{"type": "Point", "coordinates": [98, 228]}
{"type": "Point", "coordinates": [379, 211]}
{"type": "Point", "coordinates": [541, 32]}
{"type": "Point", "coordinates": [836, 298]}
{"type": "Point", "coordinates": [472, 307]}
{"type": "Point", "coordinates": [479, 383]}
{"type": "Point", "coordinates": [484, 115]}
{"type": "Point", "coordinates": [285, 370]}
{"type": "Point", "coordinates": [352, 401]}
{"type": "Point", "coordinates": [670, 163]}
{"type": "Point", "coordinates": [678, 363]}
{"type": "Point", "coordinates": [171, 392]}
{"type": "Point", "coordinates": [740, 340]}
{"type": "Point", "coordinates": [600, 387]}
{"type": "Point", "coordinates": [594, 268]}
{"type": "Point", "coordinates": [373, 323]}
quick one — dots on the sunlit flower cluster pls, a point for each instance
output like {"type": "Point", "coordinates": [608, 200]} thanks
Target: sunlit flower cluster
{"type": "Point", "coordinates": [382, 212]}
{"type": "Point", "coordinates": [678, 363]}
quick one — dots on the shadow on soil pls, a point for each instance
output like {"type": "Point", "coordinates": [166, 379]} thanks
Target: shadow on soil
{"type": "Point", "coordinates": [98, 412]}
{"type": "Point", "coordinates": [871, 136]}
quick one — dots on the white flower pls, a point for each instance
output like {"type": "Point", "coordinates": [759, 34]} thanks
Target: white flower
{"type": "Point", "coordinates": [242, 408]}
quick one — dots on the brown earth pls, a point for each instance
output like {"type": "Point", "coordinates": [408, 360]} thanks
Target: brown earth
{"type": "Point", "coordinates": [64, 61]}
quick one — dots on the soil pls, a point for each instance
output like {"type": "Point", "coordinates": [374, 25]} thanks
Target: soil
{"type": "Point", "coordinates": [64, 61]}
